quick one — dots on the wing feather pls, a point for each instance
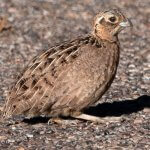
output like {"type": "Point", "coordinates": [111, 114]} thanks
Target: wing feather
{"type": "Point", "coordinates": [42, 73]}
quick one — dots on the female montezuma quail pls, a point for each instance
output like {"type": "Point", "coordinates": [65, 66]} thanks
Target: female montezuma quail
{"type": "Point", "coordinates": [70, 77]}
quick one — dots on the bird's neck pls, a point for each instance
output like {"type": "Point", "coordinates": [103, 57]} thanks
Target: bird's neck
{"type": "Point", "coordinates": [105, 35]}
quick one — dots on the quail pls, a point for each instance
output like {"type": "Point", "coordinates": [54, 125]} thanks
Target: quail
{"type": "Point", "coordinates": [68, 78]}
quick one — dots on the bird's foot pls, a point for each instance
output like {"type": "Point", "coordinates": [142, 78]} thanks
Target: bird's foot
{"type": "Point", "coordinates": [55, 121]}
{"type": "Point", "coordinates": [61, 121]}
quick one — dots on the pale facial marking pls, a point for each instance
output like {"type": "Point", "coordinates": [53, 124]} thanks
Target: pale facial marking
{"type": "Point", "coordinates": [109, 23]}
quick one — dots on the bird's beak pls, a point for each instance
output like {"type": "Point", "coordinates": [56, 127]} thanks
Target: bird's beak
{"type": "Point", "coordinates": [126, 23]}
{"type": "Point", "coordinates": [121, 26]}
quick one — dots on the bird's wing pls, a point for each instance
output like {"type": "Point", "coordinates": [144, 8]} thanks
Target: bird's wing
{"type": "Point", "coordinates": [38, 79]}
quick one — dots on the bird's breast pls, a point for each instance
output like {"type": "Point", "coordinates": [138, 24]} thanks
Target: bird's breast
{"type": "Point", "coordinates": [93, 72]}
{"type": "Point", "coordinates": [96, 64]}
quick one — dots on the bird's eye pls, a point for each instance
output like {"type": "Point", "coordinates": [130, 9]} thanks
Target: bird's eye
{"type": "Point", "coordinates": [112, 19]}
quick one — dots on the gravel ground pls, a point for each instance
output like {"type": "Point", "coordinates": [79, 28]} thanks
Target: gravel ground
{"type": "Point", "coordinates": [38, 24]}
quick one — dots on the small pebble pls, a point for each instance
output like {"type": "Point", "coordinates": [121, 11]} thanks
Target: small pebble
{"type": "Point", "coordinates": [29, 135]}
{"type": "Point", "coordinates": [42, 132]}
{"type": "Point", "coordinates": [11, 140]}
{"type": "Point", "coordinates": [138, 121]}
{"type": "Point", "coordinates": [13, 128]}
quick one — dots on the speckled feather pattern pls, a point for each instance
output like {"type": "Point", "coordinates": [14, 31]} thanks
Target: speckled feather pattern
{"type": "Point", "coordinates": [66, 78]}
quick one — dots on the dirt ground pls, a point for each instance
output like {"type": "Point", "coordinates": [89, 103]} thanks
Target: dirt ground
{"type": "Point", "coordinates": [36, 25]}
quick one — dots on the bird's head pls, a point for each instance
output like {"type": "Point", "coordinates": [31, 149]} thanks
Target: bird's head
{"type": "Point", "coordinates": [109, 23]}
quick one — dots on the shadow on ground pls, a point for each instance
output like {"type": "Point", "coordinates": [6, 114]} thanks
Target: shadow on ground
{"type": "Point", "coordinates": [116, 108]}
{"type": "Point", "coordinates": [119, 108]}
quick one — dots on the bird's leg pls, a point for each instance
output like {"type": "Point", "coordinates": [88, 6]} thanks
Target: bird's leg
{"type": "Point", "coordinates": [97, 119]}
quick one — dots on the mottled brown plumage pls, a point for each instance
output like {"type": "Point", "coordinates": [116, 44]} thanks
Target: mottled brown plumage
{"type": "Point", "coordinates": [70, 77]}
